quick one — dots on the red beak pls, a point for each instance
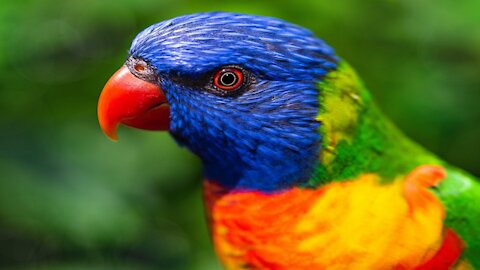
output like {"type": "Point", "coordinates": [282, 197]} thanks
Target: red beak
{"type": "Point", "coordinates": [125, 99]}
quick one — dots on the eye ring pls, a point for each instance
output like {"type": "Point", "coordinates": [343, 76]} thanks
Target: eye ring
{"type": "Point", "coordinates": [228, 79]}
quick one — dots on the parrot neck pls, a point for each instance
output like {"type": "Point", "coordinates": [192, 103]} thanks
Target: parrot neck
{"type": "Point", "coordinates": [356, 137]}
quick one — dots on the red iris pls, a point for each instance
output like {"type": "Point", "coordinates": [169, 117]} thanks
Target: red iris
{"type": "Point", "coordinates": [228, 79]}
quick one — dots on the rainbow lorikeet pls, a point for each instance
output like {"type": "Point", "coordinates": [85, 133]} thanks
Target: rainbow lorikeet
{"type": "Point", "coordinates": [302, 170]}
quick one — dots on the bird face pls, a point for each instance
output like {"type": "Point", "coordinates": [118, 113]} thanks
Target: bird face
{"type": "Point", "coordinates": [239, 90]}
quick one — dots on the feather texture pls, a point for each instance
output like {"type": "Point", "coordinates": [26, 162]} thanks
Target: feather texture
{"type": "Point", "coordinates": [375, 226]}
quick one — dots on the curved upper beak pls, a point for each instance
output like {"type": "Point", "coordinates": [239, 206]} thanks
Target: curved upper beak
{"type": "Point", "coordinates": [125, 99]}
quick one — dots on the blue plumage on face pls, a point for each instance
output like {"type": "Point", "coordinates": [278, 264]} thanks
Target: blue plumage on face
{"type": "Point", "coordinates": [263, 134]}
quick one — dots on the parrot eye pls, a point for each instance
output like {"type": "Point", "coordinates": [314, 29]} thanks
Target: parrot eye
{"type": "Point", "coordinates": [228, 79]}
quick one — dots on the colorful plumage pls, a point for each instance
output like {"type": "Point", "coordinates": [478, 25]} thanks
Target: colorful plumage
{"type": "Point", "coordinates": [302, 171]}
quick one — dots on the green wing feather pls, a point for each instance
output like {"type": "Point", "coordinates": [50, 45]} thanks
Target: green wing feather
{"type": "Point", "coordinates": [460, 193]}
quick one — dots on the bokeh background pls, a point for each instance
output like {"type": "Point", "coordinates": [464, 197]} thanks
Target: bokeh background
{"type": "Point", "coordinates": [72, 199]}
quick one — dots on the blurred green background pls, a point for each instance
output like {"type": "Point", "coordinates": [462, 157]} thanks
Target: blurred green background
{"type": "Point", "coordinates": [72, 199]}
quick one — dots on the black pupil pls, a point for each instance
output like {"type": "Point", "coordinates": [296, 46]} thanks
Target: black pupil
{"type": "Point", "coordinates": [228, 78]}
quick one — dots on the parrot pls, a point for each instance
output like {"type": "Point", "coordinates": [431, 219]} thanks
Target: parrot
{"type": "Point", "coordinates": [301, 169]}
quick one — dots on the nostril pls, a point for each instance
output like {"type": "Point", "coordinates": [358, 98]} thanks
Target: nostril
{"type": "Point", "coordinates": [139, 67]}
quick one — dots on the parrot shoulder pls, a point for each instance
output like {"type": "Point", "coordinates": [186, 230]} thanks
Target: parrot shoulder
{"type": "Point", "coordinates": [460, 195]}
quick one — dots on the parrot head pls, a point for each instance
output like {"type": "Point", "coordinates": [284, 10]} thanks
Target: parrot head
{"type": "Point", "coordinates": [240, 91]}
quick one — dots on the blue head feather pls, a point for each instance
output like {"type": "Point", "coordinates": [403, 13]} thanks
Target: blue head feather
{"type": "Point", "coordinates": [265, 138]}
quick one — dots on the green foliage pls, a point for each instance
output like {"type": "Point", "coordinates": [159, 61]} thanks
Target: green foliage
{"type": "Point", "coordinates": [71, 199]}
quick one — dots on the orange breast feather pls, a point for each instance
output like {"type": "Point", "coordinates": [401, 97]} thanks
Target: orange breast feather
{"type": "Point", "coordinates": [357, 224]}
